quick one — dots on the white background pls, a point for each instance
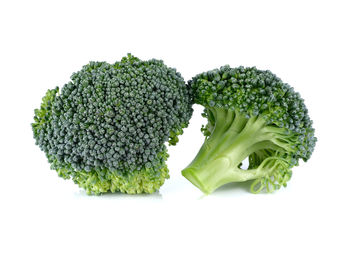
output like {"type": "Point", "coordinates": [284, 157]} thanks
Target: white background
{"type": "Point", "coordinates": [306, 43]}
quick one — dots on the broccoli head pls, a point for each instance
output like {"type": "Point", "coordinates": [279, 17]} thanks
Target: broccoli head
{"type": "Point", "coordinates": [251, 114]}
{"type": "Point", "coordinates": [106, 128]}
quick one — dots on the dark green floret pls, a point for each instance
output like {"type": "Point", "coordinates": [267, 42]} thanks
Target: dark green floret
{"type": "Point", "coordinates": [251, 114]}
{"type": "Point", "coordinates": [106, 128]}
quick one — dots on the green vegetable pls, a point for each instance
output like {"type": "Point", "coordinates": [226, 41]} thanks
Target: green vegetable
{"type": "Point", "coordinates": [251, 114]}
{"type": "Point", "coordinates": [106, 128]}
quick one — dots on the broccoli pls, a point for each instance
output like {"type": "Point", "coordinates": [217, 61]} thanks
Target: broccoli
{"type": "Point", "coordinates": [251, 115]}
{"type": "Point", "coordinates": [106, 128]}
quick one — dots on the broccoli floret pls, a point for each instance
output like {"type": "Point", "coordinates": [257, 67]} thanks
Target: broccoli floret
{"type": "Point", "coordinates": [251, 114]}
{"type": "Point", "coordinates": [106, 128]}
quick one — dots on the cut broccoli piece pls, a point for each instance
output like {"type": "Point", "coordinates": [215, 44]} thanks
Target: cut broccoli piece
{"type": "Point", "coordinates": [251, 114]}
{"type": "Point", "coordinates": [106, 128]}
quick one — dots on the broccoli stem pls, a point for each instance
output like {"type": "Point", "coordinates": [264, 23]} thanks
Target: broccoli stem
{"type": "Point", "coordinates": [233, 138]}
{"type": "Point", "coordinates": [207, 180]}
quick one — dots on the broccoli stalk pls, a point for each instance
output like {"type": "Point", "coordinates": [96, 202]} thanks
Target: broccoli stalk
{"type": "Point", "coordinates": [251, 114]}
{"type": "Point", "coordinates": [234, 138]}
